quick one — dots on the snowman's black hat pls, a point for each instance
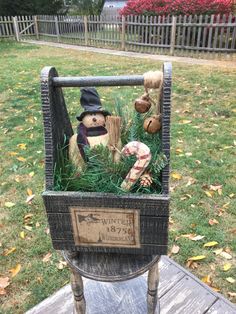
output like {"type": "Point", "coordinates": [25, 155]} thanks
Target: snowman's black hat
{"type": "Point", "coordinates": [91, 102]}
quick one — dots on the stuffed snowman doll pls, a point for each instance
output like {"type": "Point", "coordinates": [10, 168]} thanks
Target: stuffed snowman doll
{"type": "Point", "coordinates": [92, 128]}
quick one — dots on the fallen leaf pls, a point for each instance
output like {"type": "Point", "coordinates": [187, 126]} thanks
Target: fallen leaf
{"type": "Point", "coordinates": [230, 279]}
{"type": "Point", "coordinates": [176, 176]}
{"type": "Point", "coordinates": [22, 159]}
{"type": "Point", "coordinates": [47, 231]}
{"type": "Point", "coordinates": [17, 179]}
{"type": "Point", "coordinates": [175, 249]}
{"type": "Point", "coordinates": [225, 255]}
{"type": "Point", "coordinates": [178, 150]}
{"type": "Point", "coordinates": [218, 251]}
{"type": "Point", "coordinates": [9, 251]}
{"type": "Point", "coordinates": [232, 294]}
{"type": "Point", "coordinates": [47, 257]}
{"type": "Point", "coordinates": [22, 234]}
{"type": "Point", "coordinates": [185, 121]}
{"type": "Point", "coordinates": [215, 187]}
{"type": "Point", "coordinates": [227, 266]}
{"type": "Point", "coordinates": [210, 244]}
{"type": "Point", "coordinates": [22, 146]}
{"type": "Point", "coordinates": [197, 258]}
{"type": "Point", "coordinates": [14, 271]}
{"type": "Point", "coordinates": [9, 204]}
{"type": "Point", "coordinates": [198, 162]}
{"type": "Point", "coordinates": [31, 174]}
{"type": "Point", "coordinates": [61, 264]}
{"type": "Point", "coordinates": [192, 264]}
{"type": "Point", "coordinates": [191, 181]}
{"type": "Point", "coordinates": [207, 280]}
{"type": "Point", "coordinates": [4, 282]}
{"type": "Point", "coordinates": [213, 222]}
{"type": "Point", "coordinates": [215, 289]}
{"type": "Point", "coordinates": [226, 205]}
{"type": "Point", "coordinates": [28, 216]}
{"type": "Point", "coordinates": [209, 193]}
{"type": "Point", "coordinates": [37, 225]}
{"type": "Point", "coordinates": [12, 153]}
{"type": "Point", "coordinates": [231, 195]}
{"type": "Point", "coordinates": [30, 198]}
{"type": "Point", "coordinates": [29, 228]}
{"type": "Point", "coordinates": [29, 192]}
{"type": "Point", "coordinates": [197, 238]}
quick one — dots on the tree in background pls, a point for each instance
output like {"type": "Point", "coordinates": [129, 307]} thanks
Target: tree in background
{"type": "Point", "coordinates": [31, 7]}
{"type": "Point", "coordinates": [88, 7]}
{"type": "Point", "coordinates": [177, 7]}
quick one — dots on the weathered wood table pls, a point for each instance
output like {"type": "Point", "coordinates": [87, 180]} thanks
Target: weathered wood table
{"type": "Point", "coordinates": [112, 267]}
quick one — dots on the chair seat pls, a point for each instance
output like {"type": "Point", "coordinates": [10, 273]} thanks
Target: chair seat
{"type": "Point", "coordinates": [109, 267]}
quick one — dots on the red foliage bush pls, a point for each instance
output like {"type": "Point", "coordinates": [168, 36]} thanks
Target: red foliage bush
{"type": "Point", "coordinates": [176, 7]}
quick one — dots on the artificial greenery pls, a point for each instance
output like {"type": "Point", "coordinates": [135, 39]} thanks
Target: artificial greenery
{"type": "Point", "coordinates": [101, 174]}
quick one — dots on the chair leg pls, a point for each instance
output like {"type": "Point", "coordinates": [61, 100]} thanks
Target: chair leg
{"type": "Point", "coordinates": [78, 291]}
{"type": "Point", "coordinates": [153, 303]}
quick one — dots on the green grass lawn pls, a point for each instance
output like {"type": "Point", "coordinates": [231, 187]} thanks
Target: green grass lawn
{"type": "Point", "coordinates": [203, 187]}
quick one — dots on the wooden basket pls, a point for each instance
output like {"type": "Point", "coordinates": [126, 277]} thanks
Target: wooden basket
{"type": "Point", "coordinates": [99, 222]}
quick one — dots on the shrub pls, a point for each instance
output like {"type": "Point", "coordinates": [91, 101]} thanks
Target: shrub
{"type": "Point", "coordinates": [177, 7]}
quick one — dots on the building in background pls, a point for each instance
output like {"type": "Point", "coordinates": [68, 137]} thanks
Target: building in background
{"type": "Point", "coordinates": [112, 7]}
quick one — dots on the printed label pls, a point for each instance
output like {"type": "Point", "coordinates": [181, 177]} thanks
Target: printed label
{"type": "Point", "coordinates": [109, 227]}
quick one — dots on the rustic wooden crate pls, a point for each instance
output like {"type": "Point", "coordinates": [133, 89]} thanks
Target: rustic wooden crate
{"type": "Point", "coordinates": [148, 214]}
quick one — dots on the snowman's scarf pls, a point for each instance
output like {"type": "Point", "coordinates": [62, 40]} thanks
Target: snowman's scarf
{"type": "Point", "coordinates": [83, 133]}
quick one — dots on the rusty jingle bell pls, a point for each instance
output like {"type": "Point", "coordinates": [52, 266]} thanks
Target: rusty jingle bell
{"type": "Point", "coordinates": [152, 124]}
{"type": "Point", "coordinates": [142, 104]}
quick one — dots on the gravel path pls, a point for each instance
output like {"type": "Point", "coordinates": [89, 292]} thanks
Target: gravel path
{"type": "Point", "coordinates": [215, 63]}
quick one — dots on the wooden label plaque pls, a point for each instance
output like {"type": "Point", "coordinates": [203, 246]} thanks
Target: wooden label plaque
{"type": "Point", "coordinates": [111, 227]}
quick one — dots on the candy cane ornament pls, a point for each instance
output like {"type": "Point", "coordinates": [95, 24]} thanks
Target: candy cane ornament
{"type": "Point", "coordinates": [143, 154]}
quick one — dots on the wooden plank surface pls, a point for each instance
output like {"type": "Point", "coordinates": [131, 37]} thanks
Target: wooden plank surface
{"type": "Point", "coordinates": [187, 296]}
{"type": "Point", "coordinates": [221, 307]}
{"type": "Point", "coordinates": [179, 292]}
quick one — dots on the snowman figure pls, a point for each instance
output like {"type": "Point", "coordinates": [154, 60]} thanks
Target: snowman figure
{"type": "Point", "coordinates": [92, 128]}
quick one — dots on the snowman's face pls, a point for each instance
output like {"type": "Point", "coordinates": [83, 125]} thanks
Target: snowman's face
{"type": "Point", "coordinates": [92, 120]}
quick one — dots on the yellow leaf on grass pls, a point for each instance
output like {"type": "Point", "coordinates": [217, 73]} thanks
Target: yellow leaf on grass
{"type": "Point", "coordinates": [206, 279]}
{"type": "Point", "coordinates": [14, 271]}
{"type": "Point", "coordinates": [227, 266]}
{"type": "Point", "coordinates": [210, 244]}
{"type": "Point", "coordinates": [29, 192]}
{"type": "Point", "coordinates": [22, 159]}
{"type": "Point", "coordinates": [13, 153]}
{"type": "Point", "coordinates": [22, 234]}
{"type": "Point", "coordinates": [178, 150]}
{"type": "Point", "coordinates": [231, 195]}
{"type": "Point", "coordinates": [9, 204]}
{"type": "Point", "coordinates": [209, 193]}
{"type": "Point", "coordinates": [185, 121]}
{"type": "Point", "coordinates": [31, 174]}
{"type": "Point", "coordinates": [176, 176]}
{"type": "Point", "coordinates": [230, 279]}
{"type": "Point", "coordinates": [9, 251]}
{"type": "Point", "coordinates": [22, 146]}
{"type": "Point", "coordinates": [29, 228]}
{"type": "Point", "coordinates": [197, 258]}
